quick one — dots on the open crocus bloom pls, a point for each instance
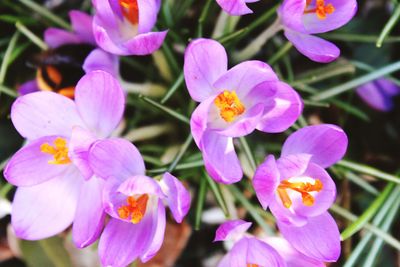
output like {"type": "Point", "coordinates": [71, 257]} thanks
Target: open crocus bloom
{"type": "Point", "coordinates": [303, 18]}
{"type": "Point", "coordinates": [234, 103]}
{"type": "Point", "coordinates": [236, 7]}
{"type": "Point", "coordinates": [123, 27]}
{"type": "Point", "coordinates": [379, 94]}
{"type": "Point", "coordinates": [135, 203]}
{"type": "Point", "coordinates": [299, 191]}
{"type": "Point", "coordinates": [56, 186]}
{"type": "Point", "coordinates": [247, 250]}
{"type": "Point", "coordinates": [61, 41]}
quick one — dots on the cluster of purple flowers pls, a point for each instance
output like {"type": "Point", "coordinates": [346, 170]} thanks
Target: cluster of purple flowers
{"type": "Point", "coordinates": [71, 172]}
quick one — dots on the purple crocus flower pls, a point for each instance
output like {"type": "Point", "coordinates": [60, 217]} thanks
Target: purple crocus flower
{"type": "Point", "coordinates": [379, 94]}
{"type": "Point", "coordinates": [81, 34]}
{"type": "Point", "coordinates": [303, 18]}
{"type": "Point", "coordinates": [135, 203]}
{"type": "Point", "coordinates": [123, 27]}
{"type": "Point", "coordinates": [236, 7]}
{"type": "Point", "coordinates": [56, 186]}
{"type": "Point", "coordinates": [247, 251]}
{"type": "Point", "coordinates": [234, 103]}
{"type": "Point", "coordinates": [299, 191]}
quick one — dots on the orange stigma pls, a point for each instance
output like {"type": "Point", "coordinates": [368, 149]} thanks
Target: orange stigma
{"type": "Point", "coordinates": [59, 151]}
{"type": "Point", "coordinates": [321, 9]}
{"type": "Point", "coordinates": [251, 265]}
{"type": "Point", "coordinates": [135, 208]}
{"type": "Point", "coordinates": [130, 10]}
{"type": "Point", "coordinates": [229, 105]}
{"type": "Point", "coordinates": [304, 188]}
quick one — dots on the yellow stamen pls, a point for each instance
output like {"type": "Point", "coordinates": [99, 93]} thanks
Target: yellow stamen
{"type": "Point", "coordinates": [130, 10]}
{"type": "Point", "coordinates": [304, 188]}
{"type": "Point", "coordinates": [135, 208]}
{"type": "Point", "coordinates": [59, 151]}
{"type": "Point", "coordinates": [229, 105]}
{"type": "Point", "coordinates": [252, 265]}
{"type": "Point", "coordinates": [321, 10]}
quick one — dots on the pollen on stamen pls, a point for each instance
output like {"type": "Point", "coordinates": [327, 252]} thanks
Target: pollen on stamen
{"type": "Point", "coordinates": [130, 10]}
{"type": "Point", "coordinates": [252, 265]}
{"type": "Point", "coordinates": [304, 188]}
{"type": "Point", "coordinates": [229, 105]}
{"type": "Point", "coordinates": [59, 151]}
{"type": "Point", "coordinates": [321, 10]}
{"type": "Point", "coordinates": [135, 209]}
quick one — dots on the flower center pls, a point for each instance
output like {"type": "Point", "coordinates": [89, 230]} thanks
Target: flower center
{"type": "Point", "coordinates": [304, 188]}
{"type": "Point", "coordinates": [59, 151]}
{"type": "Point", "coordinates": [130, 10]}
{"type": "Point", "coordinates": [135, 208]}
{"type": "Point", "coordinates": [251, 265]}
{"type": "Point", "coordinates": [229, 105]}
{"type": "Point", "coordinates": [321, 9]}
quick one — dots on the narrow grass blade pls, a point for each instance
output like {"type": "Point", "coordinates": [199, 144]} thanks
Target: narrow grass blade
{"type": "Point", "coordinates": [337, 90]}
{"type": "Point", "coordinates": [389, 26]}
{"type": "Point", "coordinates": [217, 194]}
{"type": "Point", "coordinates": [182, 151]}
{"type": "Point", "coordinates": [7, 55]}
{"type": "Point", "coordinates": [368, 214]}
{"type": "Point", "coordinates": [31, 36]}
{"type": "Point", "coordinates": [201, 196]}
{"type": "Point", "coordinates": [369, 170]}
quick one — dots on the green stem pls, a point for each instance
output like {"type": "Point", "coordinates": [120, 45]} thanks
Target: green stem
{"type": "Point", "coordinates": [7, 55]}
{"type": "Point", "coordinates": [281, 52]}
{"type": "Point", "coordinates": [182, 166]}
{"type": "Point", "coordinates": [203, 17]}
{"type": "Point", "coordinates": [357, 82]}
{"type": "Point", "coordinates": [217, 194]}
{"type": "Point", "coordinates": [248, 153]}
{"type": "Point", "coordinates": [31, 36]}
{"type": "Point", "coordinates": [368, 214]}
{"type": "Point", "coordinates": [173, 88]}
{"type": "Point", "coordinates": [389, 26]}
{"type": "Point", "coordinates": [167, 110]}
{"type": "Point", "coordinates": [201, 197]}
{"type": "Point", "coordinates": [369, 170]}
{"type": "Point", "coordinates": [40, 9]}
{"type": "Point", "coordinates": [182, 151]}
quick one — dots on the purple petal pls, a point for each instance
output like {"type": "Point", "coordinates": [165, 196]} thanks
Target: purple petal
{"type": "Point", "coordinates": [29, 166]}
{"type": "Point", "coordinates": [282, 106]}
{"type": "Point", "coordinates": [56, 37]}
{"type": "Point", "coordinates": [315, 48]}
{"type": "Point", "coordinates": [234, 7]}
{"type": "Point", "coordinates": [139, 185]}
{"type": "Point", "coordinates": [157, 229]}
{"type": "Point", "coordinates": [220, 158]}
{"type": "Point", "coordinates": [145, 238]}
{"type": "Point", "coordinates": [126, 159]}
{"type": "Point", "coordinates": [101, 60]}
{"type": "Point", "coordinates": [178, 197]}
{"type": "Point", "coordinates": [89, 216]}
{"type": "Point", "coordinates": [291, 14]}
{"type": "Point", "coordinates": [344, 12]}
{"type": "Point", "coordinates": [319, 239]}
{"type": "Point", "coordinates": [266, 180]}
{"type": "Point", "coordinates": [100, 101]}
{"type": "Point", "coordinates": [198, 121]}
{"type": "Point", "coordinates": [285, 215]}
{"type": "Point", "coordinates": [323, 199]}
{"type": "Point", "coordinates": [28, 87]}
{"type": "Point", "coordinates": [292, 257]}
{"type": "Point", "coordinates": [144, 43]}
{"type": "Point", "coordinates": [44, 114]}
{"type": "Point", "coordinates": [148, 10]}
{"type": "Point", "coordinates": [326, 143]}
{"type": "Point", "coordinates": [46, 209]}
{"type": "Point", "coordinates": [82, 26]}
{"type": "Point", "coordinates": [205, 62]}
{"type": "Point", "coordinates": [378, 94]}
{"type": "Point", "coordinates": [293, 165]}
{"type": "Point", "coordinates": [243, 77]}
{"type": "Point", "coordinates": [81, 140]}
{"type": "Point", "coordinates": [231, 230]}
